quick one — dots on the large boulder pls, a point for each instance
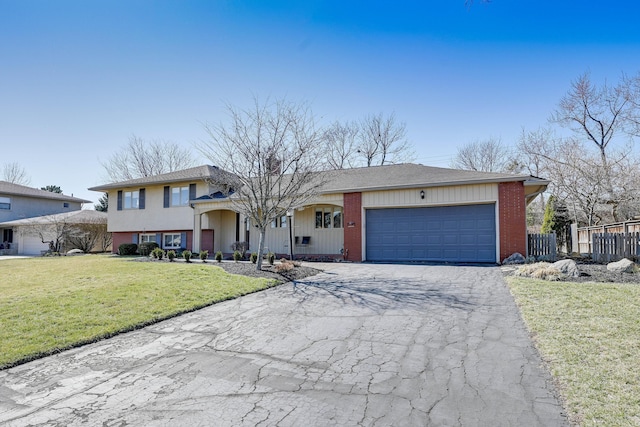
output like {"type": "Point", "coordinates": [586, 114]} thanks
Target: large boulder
{"type": "Point", "coordinates": [516, 258]}
{"type": "Point", "coordinates": [567, 267]}
{"type": "Point", "coordinates": [622, 266]}
{"type": "Point", "coordinates": [75, 252]}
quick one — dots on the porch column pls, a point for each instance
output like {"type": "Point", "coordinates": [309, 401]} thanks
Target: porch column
{"type": "Point", "coordinates": [197, 230]}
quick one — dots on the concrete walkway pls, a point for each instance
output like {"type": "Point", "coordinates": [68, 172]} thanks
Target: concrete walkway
{"type": "Point", "coordinates": [371, 345]}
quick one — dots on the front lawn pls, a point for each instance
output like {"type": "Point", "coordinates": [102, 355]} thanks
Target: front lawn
{"type": "Point", "coordinates": [590, 335]}
{"type": "Point", "coordinates": [49, 304]}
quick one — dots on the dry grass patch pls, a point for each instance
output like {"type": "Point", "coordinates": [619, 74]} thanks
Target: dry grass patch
{"type": "Point", "coordinates": [50, 304]}
{"type": "Point", "coordinates": [539, 270]}
{"type": "Point", "coordinates": [590, 335]}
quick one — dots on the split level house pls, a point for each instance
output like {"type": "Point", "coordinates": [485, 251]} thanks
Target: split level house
{"type": "Point", "coordinates": [391, 213]}
{"type": "Point", "coordinates": [19, 204]}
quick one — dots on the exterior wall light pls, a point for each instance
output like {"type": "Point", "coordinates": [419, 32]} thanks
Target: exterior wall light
{"type": "Point", "coordinates": [422, 194]}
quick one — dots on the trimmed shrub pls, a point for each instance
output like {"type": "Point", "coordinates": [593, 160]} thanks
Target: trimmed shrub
{"type": "Point", "coordinates": [128, 249]}
{"type": "Point", "coordinates": [204, 255]}
{"type": "Point", "coordinates": [157, 253]}
{"type": "Point", "coordinates": [219, 256]}
{"type": "Point", "coordinates": [145, 248]}
{"type": "Point", "coordinates": [187, 255]}
{"type": "Point", "coordinates": [271, 258]}
{"type": "Point", "coordinates": [171, 255]}
{"type": "Point", "coordinates": [237, 256]}
{"type": "Point", "coordinates": [254, 257]}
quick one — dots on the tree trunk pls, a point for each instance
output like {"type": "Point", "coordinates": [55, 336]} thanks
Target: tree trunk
{"type": "Point", "coordinates": [263, 232]}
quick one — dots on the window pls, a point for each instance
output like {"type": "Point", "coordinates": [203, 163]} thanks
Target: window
{"type": "Point", "coordinates": [180, 196]}
{"type": "Point", "coordinates": [147, 238]}
{"type": "Point", "coordinates": [7, 236]}
{"type": "Point", "coordinates": [279, 222]}
{"type": "Point", "coordinates": [131, 200]}
{"type": "Point", "coordinates": [172, 241]}
{"type": "Point", "coordinates": [330, 217]}
{"type": "Point", "coordinates": [65, 205]}
{"type": "Point", "coordinates": [5, 203]}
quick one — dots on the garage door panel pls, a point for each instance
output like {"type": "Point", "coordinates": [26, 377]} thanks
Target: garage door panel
{"type": "Point", "coordinates": [444, 233]}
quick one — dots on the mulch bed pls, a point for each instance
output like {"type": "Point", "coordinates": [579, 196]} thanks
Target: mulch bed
{"type": "Point", "coordinates": [246, 268]}
{"type": "Point", "coordinates": [591, 273]}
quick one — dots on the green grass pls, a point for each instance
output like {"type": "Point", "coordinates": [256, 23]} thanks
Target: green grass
{"type": "Point", "coordinates": [590, 335]}
{"type": "Point", "coordinates": [50, 304]}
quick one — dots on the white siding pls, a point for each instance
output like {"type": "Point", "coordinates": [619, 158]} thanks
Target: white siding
{"type": "Point", "coordinates": [154, 217]}
{"type": "Point", "coordinates": [453, 195]}
{"type": "Point", "coordinates": [323, 241]}
{"type": "Point", "coordinates": [223, 223]}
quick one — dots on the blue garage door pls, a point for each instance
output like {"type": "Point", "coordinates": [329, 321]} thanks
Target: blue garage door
{"type": "Point", "coordinates": [440, 234]}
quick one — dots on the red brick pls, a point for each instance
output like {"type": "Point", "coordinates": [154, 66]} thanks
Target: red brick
{"type": "Point", "coordinates": [120, 238]}
{"type": "Point", "coordinates": [353, 226]}
{"type": "Point", "coordinates": [512, 219]}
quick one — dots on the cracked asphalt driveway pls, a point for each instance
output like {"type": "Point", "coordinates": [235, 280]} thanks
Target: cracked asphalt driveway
{"type": "Point", "coordinates": [358, 344]}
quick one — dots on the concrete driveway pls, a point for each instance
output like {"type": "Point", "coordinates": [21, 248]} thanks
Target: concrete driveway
{"type": "Point", "coordinates": [356, 345]}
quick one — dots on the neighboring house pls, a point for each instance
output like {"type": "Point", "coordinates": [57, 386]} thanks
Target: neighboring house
{"type": "Point", "coordinates": [34, 236]}
{"type": "Point", "coordinates": [20, 202]}
{"type": "Point", "coordinates": [405, 212]}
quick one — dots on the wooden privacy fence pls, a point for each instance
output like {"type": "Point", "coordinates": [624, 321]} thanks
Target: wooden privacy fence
{"type": "Point", "coordinates": [585, 234]}
{"type": "Point", "coordinates": [609, 247]}
{"type": "Point", "coordinates": [542, 245]}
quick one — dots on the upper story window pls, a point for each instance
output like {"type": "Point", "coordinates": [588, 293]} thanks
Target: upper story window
{"type": "Point", "coordinates": [329, 217]}
{"type": "Point", "coordinates": [5, 203]}
{"type": "Point", "coordinates": [131, 199]}
{"type": "Point", "coordinates": [180, 196]}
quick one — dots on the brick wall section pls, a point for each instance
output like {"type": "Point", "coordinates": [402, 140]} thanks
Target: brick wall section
{"type": "Point", "coordinates": [353, 226]}
{"type": "Point", "coordinates": [120, 238]}
{"type": "Point", "coordinates": [512, 219]}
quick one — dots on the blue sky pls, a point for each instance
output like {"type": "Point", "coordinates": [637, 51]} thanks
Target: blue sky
{"type": "Point", "coordinates": [78, 78]}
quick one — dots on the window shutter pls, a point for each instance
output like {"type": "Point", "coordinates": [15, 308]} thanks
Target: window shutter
{"type": "Point", "coordinates": [183, 240]}
{"type": "Point", "coordinates": [192, 191]}
{"type": "Point", "coordinates": [141, 198]}
{"type": "Point", "coordinates": [167, 194]}
{"type": "Point", "coordinates": [159, 239]}
{"type": "Point", "coordinates": [119, 200]}
{"type": "Point", "coordinates": [135, 238]}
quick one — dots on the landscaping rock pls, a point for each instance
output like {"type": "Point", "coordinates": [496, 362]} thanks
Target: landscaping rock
{"type": "Point", "coordinates": [622, 266]}
{"type": "Point", "coordinates": [516, 258]}
{"type": "Point", "coordinates": [567, 267]}
{"type": "Point", "coordinates": [75, 252]}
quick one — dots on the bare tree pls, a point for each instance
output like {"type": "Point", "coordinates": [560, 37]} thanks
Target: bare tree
{"type": "Point", "coordinates": [382, 140]}
{"type": "Point", "coordinates": [88, 236]}
{"type": "Point", "coordinates": [140, 158]}
{"type": "Point", "coordinates": [597, 115]}
{"type": "Point", "coordinates": [578, 177]}
{"type": "Point", "coordinates": [489, 155]}
{"type": "Point", "coordinates": [15, 174]}
{"type": "Point", "coordinates": [340, 141]}
{"type": "Point", "coordinates": [271, 152]}
{"type": "Point", "coordinates": [51, 229]}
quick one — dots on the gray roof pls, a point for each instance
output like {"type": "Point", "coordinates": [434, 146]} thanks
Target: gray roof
{"type": "Point", "coordinates": [405, 175]}
{"type": "Point", "coordinates": [85, 216]}
{"type": "Point", "coordinates": [410, 175]}
{"type": "Point", "coordinates": [22, 190]}
{"type": "Point", "coordinates": [198, 172]}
